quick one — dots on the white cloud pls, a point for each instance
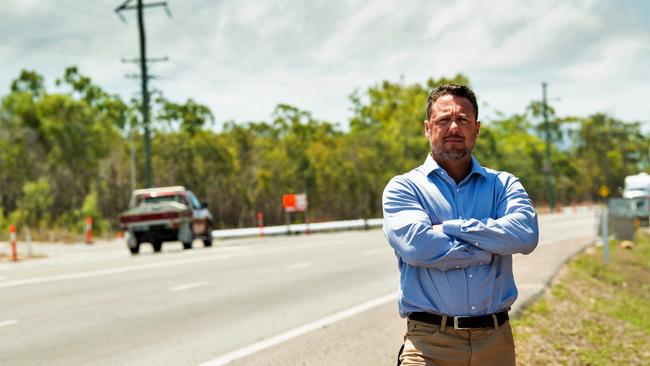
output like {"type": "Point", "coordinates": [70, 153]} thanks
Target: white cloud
{"type": "Point", "coordinates": [363, 25]}
{"type": "Point", "coordinates": [243, 57]}
{"type": "Point", "coordinates": [496, 36]}
{"type": "Point", "coordinates": [22, 8]}
{"type": "Point", "coordinates": [614, 58]}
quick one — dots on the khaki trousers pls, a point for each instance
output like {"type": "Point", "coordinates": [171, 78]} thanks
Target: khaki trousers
{"type": "Point", "coordinates": [427, 345]}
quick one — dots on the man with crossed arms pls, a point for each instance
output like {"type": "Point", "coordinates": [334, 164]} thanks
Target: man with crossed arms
{"type": "Point", "coordinates": [454, 226]}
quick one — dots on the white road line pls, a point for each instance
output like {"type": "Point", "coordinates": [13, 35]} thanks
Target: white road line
{"type": "Point", "coordinates": [299, 265]}
{"type": "Point", "coordinates": [110, 271]}
{"type": "Point", "coordinates": [371, 252]}
{"type": "Point", "coordinates": [2, 278]}
{"type": "Point", "coordinates": [8, 322]}
{"type": "Point", "coordinates": [269, 342]}
{"type": "Point", "coordinates": [188, 286]}
{"type": "Point", "coordinates": [141, 267]}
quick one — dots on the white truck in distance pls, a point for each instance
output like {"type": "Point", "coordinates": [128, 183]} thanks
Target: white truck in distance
{"type": "Point", "coordinates": [637, 188]}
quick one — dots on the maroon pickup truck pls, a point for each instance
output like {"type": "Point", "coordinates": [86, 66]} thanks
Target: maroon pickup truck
{"type": "Point", "coordinates": [157, 215]}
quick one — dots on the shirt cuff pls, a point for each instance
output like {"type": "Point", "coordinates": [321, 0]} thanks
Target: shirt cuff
{"type": "Point", "coordinates": [452, 227]}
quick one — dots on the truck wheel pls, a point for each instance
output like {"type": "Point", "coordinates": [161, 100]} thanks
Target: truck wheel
{"type": "Point", "coordinates": [135, 249]}
{"type": "Point", "coordinates": [207, 241]}
{"type": "Point", "coordinates": [157, 246]}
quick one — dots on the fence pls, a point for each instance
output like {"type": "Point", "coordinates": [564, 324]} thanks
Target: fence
{"type": "Point", "coordinates": [298, 228]}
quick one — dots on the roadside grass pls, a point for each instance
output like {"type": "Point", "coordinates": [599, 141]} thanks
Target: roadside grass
{"type": "Point", "coordinates": [593, 313]}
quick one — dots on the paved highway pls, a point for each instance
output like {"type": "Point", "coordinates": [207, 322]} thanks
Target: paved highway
{"type": "Point", "coordinates": [99, 305]}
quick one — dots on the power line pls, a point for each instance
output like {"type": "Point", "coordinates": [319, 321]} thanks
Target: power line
{"type": "Point", "coordinates": [144, 76]}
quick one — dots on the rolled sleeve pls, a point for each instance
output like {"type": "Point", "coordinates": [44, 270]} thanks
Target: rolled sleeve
{"type": "Point", "coordinates": [515, 230]}
{"type": "Point", "coordinates": [452, 227]}
{"type": "Point", "coordinates": [409, 231]}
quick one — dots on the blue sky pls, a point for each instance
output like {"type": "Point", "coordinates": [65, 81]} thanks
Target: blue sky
{"type": "Point", "coordinates": [243, 57]}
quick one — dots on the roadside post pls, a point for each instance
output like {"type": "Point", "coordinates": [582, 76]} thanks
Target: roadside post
{"type": "Point", "coordinates": [307, 221]}
{"type": "Point", "coordinates": [603, 191]}
{"type": "Point", "coordinates": [260, 223]}
{"type": "Point", "coordinates": [12, 238]}
{"type": "Point", "coordinates": [28, 237]}
{"type": "Point", "coordinates": [89, 230]}
{"type": "Point", "coordinates": [605, 232]}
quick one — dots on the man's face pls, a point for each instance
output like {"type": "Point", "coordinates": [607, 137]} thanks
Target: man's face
{"type": "Point", "coordinates": [452, 128]}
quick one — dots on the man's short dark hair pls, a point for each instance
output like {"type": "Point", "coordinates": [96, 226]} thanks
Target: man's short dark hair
{"type": "Point", "coordinates": [455, 90]}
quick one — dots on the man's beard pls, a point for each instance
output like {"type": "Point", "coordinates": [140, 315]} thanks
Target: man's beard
{"type": "Point", "coordinates": [450, 154]}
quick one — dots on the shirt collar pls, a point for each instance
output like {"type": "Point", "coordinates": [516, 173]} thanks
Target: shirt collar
{"type": "Point", "coordinates": [430, 165]}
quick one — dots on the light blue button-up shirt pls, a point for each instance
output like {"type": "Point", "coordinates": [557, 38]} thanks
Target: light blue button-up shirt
{"type": "Point", "coordinates": [466, 269]}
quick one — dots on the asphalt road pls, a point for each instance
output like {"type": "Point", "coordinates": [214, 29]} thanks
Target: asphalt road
{"type": "Point", "coordinates": [298, 300]}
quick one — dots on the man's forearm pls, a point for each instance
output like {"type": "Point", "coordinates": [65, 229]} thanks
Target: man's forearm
{"type": "Point", "coordinates": [516, 233]}
{"type": "Point", "coordinates": [431, 249]}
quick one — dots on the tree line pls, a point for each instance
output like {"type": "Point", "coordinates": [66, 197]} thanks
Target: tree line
{"type": "Point", "coordinates": [68, 154]}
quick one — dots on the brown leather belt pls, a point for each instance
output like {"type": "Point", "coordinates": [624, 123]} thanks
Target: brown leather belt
{"type": "Point", "coordinates": [462, 322]}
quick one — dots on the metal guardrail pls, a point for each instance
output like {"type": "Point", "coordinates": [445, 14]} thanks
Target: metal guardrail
{"type": "Point", "coordinates": [359, 224]}
{"type": "Point", "coordinates": [298, 228]}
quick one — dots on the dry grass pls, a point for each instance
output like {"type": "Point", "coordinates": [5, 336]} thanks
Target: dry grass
{"type": "Point", "coordinates": [593, 314]}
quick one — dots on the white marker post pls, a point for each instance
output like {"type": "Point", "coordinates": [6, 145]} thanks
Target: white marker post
{"type": "Point", "coordinates": [605, 235]}
{"type": "Point", "coordinates": [28, 235]}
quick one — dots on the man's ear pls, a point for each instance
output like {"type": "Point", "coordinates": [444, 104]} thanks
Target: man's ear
{"type": "Point", "coordinates": [426, 127]}
{"type": "Point", "coordinates": [478, 127]}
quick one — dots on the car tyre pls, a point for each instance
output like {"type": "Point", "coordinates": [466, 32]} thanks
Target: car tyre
{"type": "Point", "coordinates": [135, 249]}
{"type": "Point", "coordinates": [157, 246]}
{"type": "Point", "coordinates": [207, 241]}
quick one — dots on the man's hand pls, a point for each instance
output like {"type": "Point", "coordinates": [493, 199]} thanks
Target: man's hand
{"type": "Point", "coordinates": [437, 228]}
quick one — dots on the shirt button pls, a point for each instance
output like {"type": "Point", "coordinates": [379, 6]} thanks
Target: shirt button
{"type": "Point", "coordinates": [473, 307]}
{"type": "Point", "coordinates": [477, 244]}
{"type": "Point", "coordinates": [470, 276]}
{"type": "Point", "coordinates": [457, 266]}
{"type": "Point", "coordinates": [480, 263]}
{"type": "Point", "coordinates": [457, 189]}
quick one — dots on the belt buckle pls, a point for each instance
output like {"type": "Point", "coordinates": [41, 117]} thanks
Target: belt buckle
{"type": "Point", "coordinates": [456, 322]}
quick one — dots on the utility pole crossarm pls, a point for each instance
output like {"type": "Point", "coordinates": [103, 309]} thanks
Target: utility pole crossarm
{"type": "Point", "coordinates": [120, 8]}
{"type": "Point", "coordinates": [135, 7]}
{"type": "Point", "coordinates": [153, 59]}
